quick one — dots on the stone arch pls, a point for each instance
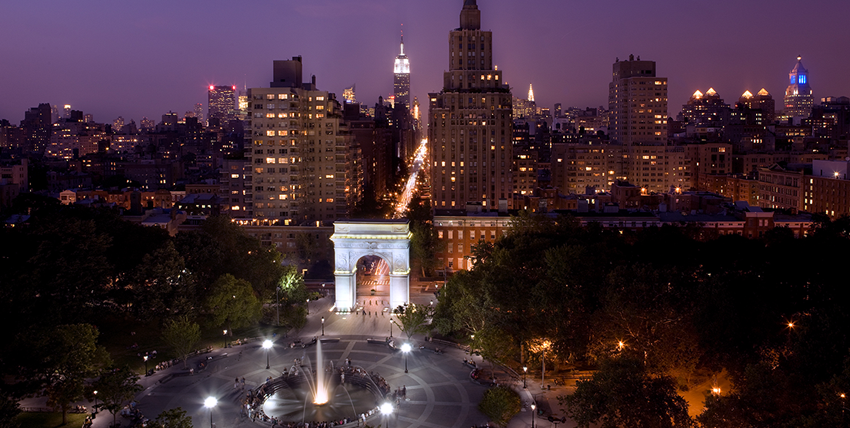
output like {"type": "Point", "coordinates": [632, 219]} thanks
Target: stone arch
{"type": "Point", "coordinates": [388, 239]}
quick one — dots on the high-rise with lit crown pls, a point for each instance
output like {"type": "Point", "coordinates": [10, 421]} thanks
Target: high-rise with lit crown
{"type": "Point", "coordinates": [469, 135]}
{"type": "Point", "coordinates": [222, 103]}
{"type": "Point", "coordinates": [401, 78]}
{"type": "Point", "coordinates": [798, 95]}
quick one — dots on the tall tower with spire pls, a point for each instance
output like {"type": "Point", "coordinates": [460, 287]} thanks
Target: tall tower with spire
{"type": "Point", "coordinates": [469, 132]}
{"type": "Point", "coordinates": [401, 79]}
{"type": "Point", "coordinates": [530, 92]}
{"type": "Point", "coordinates": [798, 95]}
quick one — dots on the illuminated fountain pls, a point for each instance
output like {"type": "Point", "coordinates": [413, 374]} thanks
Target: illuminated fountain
{"type": "Point", "coordinates": [318, 394]}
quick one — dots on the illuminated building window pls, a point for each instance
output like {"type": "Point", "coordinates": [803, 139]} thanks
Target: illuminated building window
{"type": "Point", "coordinates": [270, 133]}
{"type": "Point", "coordinates": [282, 96]}
{"type": "Point", "coordinates": [270, 160]}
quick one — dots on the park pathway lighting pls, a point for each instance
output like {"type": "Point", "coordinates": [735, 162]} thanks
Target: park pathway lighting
{"type": "Point", "coordinates": [267, 345]}
{"type": "Point", "coordinates": [323, 326]}
{"type": "Point", "coordinates": [524, 376]}
{"type": "Point", "coordinates": [209, 403]}
{"type": "Point", "coordinates": [405, 349]}
{"type": "Point", "coordinates": [533, 412]}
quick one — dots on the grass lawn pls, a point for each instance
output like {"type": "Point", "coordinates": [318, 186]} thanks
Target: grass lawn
{"type": "Point", "coordinates": [49, 420]}
{"type": "Point", "coordinates": [116, 335]}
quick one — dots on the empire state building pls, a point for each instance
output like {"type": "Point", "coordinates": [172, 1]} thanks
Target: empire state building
{"type": "Point", "coordinates": [469, 135]}
{"type": "Point", "coordinates": [401, 82]}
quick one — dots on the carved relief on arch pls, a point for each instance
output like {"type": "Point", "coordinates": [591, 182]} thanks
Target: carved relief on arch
{"type": "Point", "coordinates": [342, 261]}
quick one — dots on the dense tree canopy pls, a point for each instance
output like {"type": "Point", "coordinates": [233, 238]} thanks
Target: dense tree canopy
{"type": "Point", "coordinates": [685, 302]}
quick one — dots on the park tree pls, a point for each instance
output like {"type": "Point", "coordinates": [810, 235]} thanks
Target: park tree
{"type": "Point", "coordinates": [222, 247]}
{"type": "Point", "coordinates": [500, 404]}
{"type": "Point", "coordinates": [181, 335]}
{"type": "Point", "coordinates": [161, 284]}
{"type": "Point", "coordinates": [623, 393]}
{"type": "Point", "coordinates": [69, 268]}
{"type": "Point", "coordinates": [173, 418]}
{"type": "Point", "coordinates": [58, 360]}
{"type": "Point", "coordinates": [9, 410]}
{"type": "Point", "coordinates": [116, 387]}
{"type": "Point", "coordinates": [424, 246]}
{"type": "Point", "coordinates": [462, 307]}
{"type": "Point", "coordinates": [413, 319]}
{"type": "Point", "coordinates": [232, 303]}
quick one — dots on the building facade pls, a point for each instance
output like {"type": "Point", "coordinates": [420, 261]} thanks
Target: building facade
{"type": "Point", "coordinates": [301, 168]}
{"type": "Point", "coordinates": [470, 122]}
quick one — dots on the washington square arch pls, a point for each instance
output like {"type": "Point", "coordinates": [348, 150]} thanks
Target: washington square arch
{"type": "Point", "coordinates": [355, 239]}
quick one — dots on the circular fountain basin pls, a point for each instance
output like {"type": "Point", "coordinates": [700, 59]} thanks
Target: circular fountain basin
{"type": "Point", "coordinates": [294, 405]}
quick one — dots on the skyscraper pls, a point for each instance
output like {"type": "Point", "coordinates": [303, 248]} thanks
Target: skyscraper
{"type": "Point", "coordinates": [221, 103]}
{"type": "Point", "coordinates": [470, 122]}
{"type": "Point", "coordinates": [798, 95]}
{"type": "Point", "coordinates": [637, 101]}
{"type": "Point", "coordinates": [401, 80]}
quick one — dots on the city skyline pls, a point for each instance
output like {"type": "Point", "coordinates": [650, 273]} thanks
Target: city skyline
{"type": "Point", "coordinates": [152, 59]}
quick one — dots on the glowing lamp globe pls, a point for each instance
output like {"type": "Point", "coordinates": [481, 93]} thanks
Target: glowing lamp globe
{"type": "Point", "coordinates": [210, 402]}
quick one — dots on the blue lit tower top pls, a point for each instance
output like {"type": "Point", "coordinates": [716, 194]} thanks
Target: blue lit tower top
{"type": "Point", "coordinates": [798, 95]}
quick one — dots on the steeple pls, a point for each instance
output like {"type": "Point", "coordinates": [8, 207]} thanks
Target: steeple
{"type": "Point", "coordinates": [470, 16]}
{"type": "Point", "coordinates": [530, 92]}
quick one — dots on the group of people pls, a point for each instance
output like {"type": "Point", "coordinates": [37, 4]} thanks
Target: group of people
{"type": "Point", "coordinates": [252, 404]}
{"type": "Point", "coordinates": [276, 423]}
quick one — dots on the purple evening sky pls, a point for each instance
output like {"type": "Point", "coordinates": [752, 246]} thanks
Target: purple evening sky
{"type": "Point", "coordinates": [142, 58]}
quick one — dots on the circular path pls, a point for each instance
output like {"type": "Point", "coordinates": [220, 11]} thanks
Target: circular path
{"type": "Point", "coordinates": [439, 392]}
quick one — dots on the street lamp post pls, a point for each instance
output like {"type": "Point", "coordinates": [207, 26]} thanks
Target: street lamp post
{"type": "Point", "coordinates": [95, 402]}
{"type": "Point", "coordinates": [308, 306]}
{"type": "Point", "coordinates": [405, 349]}
{"type": "Point", "coordinates": [267, 345]}
{"type": "Point", "coordinates": [224, 334]}
{"type": "Point", "coordinates": [524, 376]}
{"type": "Point", "coordinates": [323, 326]}
{"type": "Point", "coordinates": [145, 358]}
{"type": "Point", "coordinates": [391, 326]}
{"type": "Point", "coordinates": [543, 377]}
{"type": "Point", "coordinates": [533, 413]}
{"type": "Point", "coordinates": [209, 403]}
